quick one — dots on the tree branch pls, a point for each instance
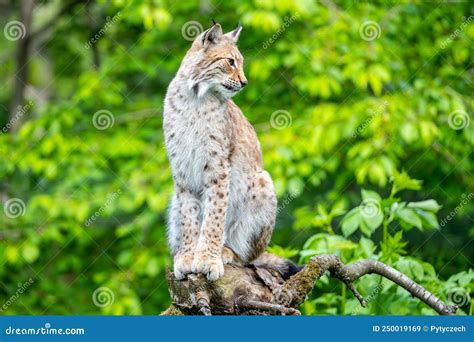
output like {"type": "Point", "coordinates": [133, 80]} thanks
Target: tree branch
{"type": "Point", "coordinates": [22, 67]}
{"type": "Point", "coordinates": [363, 267]}
{"type": "Point", "coordinates": [300, 284]}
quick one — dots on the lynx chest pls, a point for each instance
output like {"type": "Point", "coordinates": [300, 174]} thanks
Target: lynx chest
{"type": "Point", "coordinates": [194, 138]}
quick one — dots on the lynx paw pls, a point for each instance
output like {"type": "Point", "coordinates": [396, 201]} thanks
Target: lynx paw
{"type": "Point", "coordinates": [208, 264]}
{"type": "Point", "coordinates": [182, 265]}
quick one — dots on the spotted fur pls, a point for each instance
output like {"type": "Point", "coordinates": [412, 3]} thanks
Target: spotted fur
{"type": "Point", "coordinates": [224, 205]}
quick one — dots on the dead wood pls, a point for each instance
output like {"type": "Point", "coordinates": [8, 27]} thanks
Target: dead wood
{"type": "Point", "coordinates": [260, 290]}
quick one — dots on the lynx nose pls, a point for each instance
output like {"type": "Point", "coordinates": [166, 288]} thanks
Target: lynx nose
{"type": "Point", "coordinates": [243, 83]}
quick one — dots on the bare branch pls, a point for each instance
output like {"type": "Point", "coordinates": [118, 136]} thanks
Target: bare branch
{"type": "Point", "coordinates": [350, 273]}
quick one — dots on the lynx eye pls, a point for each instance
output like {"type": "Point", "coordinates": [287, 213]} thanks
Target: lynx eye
{"type": "Point", "coordinates": [231, 61]}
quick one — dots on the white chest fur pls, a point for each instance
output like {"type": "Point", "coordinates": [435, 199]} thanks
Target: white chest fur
{"type": "Point", "coordinates": [194, 131]}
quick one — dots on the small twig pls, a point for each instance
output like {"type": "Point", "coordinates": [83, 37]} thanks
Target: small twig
{"type": "Point", "coordinates": [204, 307]}
{"type": "Point", "coordinates": [357, 295]}
{"type": "Point", "coordinates": [202, 296]}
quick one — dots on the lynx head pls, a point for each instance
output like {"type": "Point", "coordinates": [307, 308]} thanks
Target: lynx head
{"type": "Point", "coordinates": [215, 64]}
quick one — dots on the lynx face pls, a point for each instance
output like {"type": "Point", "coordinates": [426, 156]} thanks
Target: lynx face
{"type": "Point", "coordinates": [215, 63]}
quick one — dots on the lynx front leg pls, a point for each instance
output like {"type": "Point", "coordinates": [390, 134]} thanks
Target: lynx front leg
{"type": "Point", "coordinates": [208, 256]}
{"type": "Point", "coordinates": [188, 211]}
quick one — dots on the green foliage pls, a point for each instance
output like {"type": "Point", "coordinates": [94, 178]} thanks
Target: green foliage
{"type": "Point", "coordinates": [396, 217]}
{"type": "Point", "coordinates": [365, 115]}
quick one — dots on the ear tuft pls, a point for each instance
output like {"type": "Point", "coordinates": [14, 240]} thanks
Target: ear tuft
{"type": "Point", "coordinates": [235, 33]}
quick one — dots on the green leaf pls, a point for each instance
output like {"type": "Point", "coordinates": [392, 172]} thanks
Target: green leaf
{"type": "Point", "coordinates": [465, 278]}
{"type": "Point", "coordinates": [350, 222]}
{"type": "Point", "coordinates": [370, 195]}
{"type": "Point", "coordinates": [339, 208]}
{"type": "Point", "coordinates": [375, 84]}
{"type": "Point", "coordinates": [393, 247]}
{"type": "Point", "coordinates": [411, 267]}
{"type": "Point", "coordinates": [409, 132]}
{"type": "Point", "coordinates": [377, 174]}
{"type": "Point", "coordinates": [152, 267]}
{"type": "Point", "coordinates": [365, 229]}
{"type": "Point", "coordinates": [282, 251]}
{"type": "Point", "coordinates": [401, 181]}
{"type": "Point", "coordinates": [30, 252]}
{"type": "Point", "coordinates": [410, 216]}
{"type": "Point", "coordinates": [368, 246]}
{"type": "Point", "coordinates": [306, 254]}
{"type": "Point", "coordinates": [429, 205]}
{"type": "Point", "coordinates": [428, 219]}
{"type": "Point", "coordinates": [11, 253]}
{"type": "Point", "coordinates": [371, 210]}
{"type": "Point", "coordinates": [373, 221]}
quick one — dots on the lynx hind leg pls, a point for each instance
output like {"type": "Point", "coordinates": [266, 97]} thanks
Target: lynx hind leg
{"type": "Point", "coordinates": [174, 229]}
{"type": "Point", "coordinates": [249, 236]}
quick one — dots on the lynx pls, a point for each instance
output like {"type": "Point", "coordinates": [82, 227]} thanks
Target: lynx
{"type": "Point", "coordinates": [224, 205]}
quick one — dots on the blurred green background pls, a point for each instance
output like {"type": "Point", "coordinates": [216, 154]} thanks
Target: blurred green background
{"type": "Point", "coordinates": [353, 102]}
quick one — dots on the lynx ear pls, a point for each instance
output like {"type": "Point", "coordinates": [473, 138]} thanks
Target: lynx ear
{"type": "Point", "coordinates": [213, 34]}
{"type": "Point", "coordinates": [235, 33]}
